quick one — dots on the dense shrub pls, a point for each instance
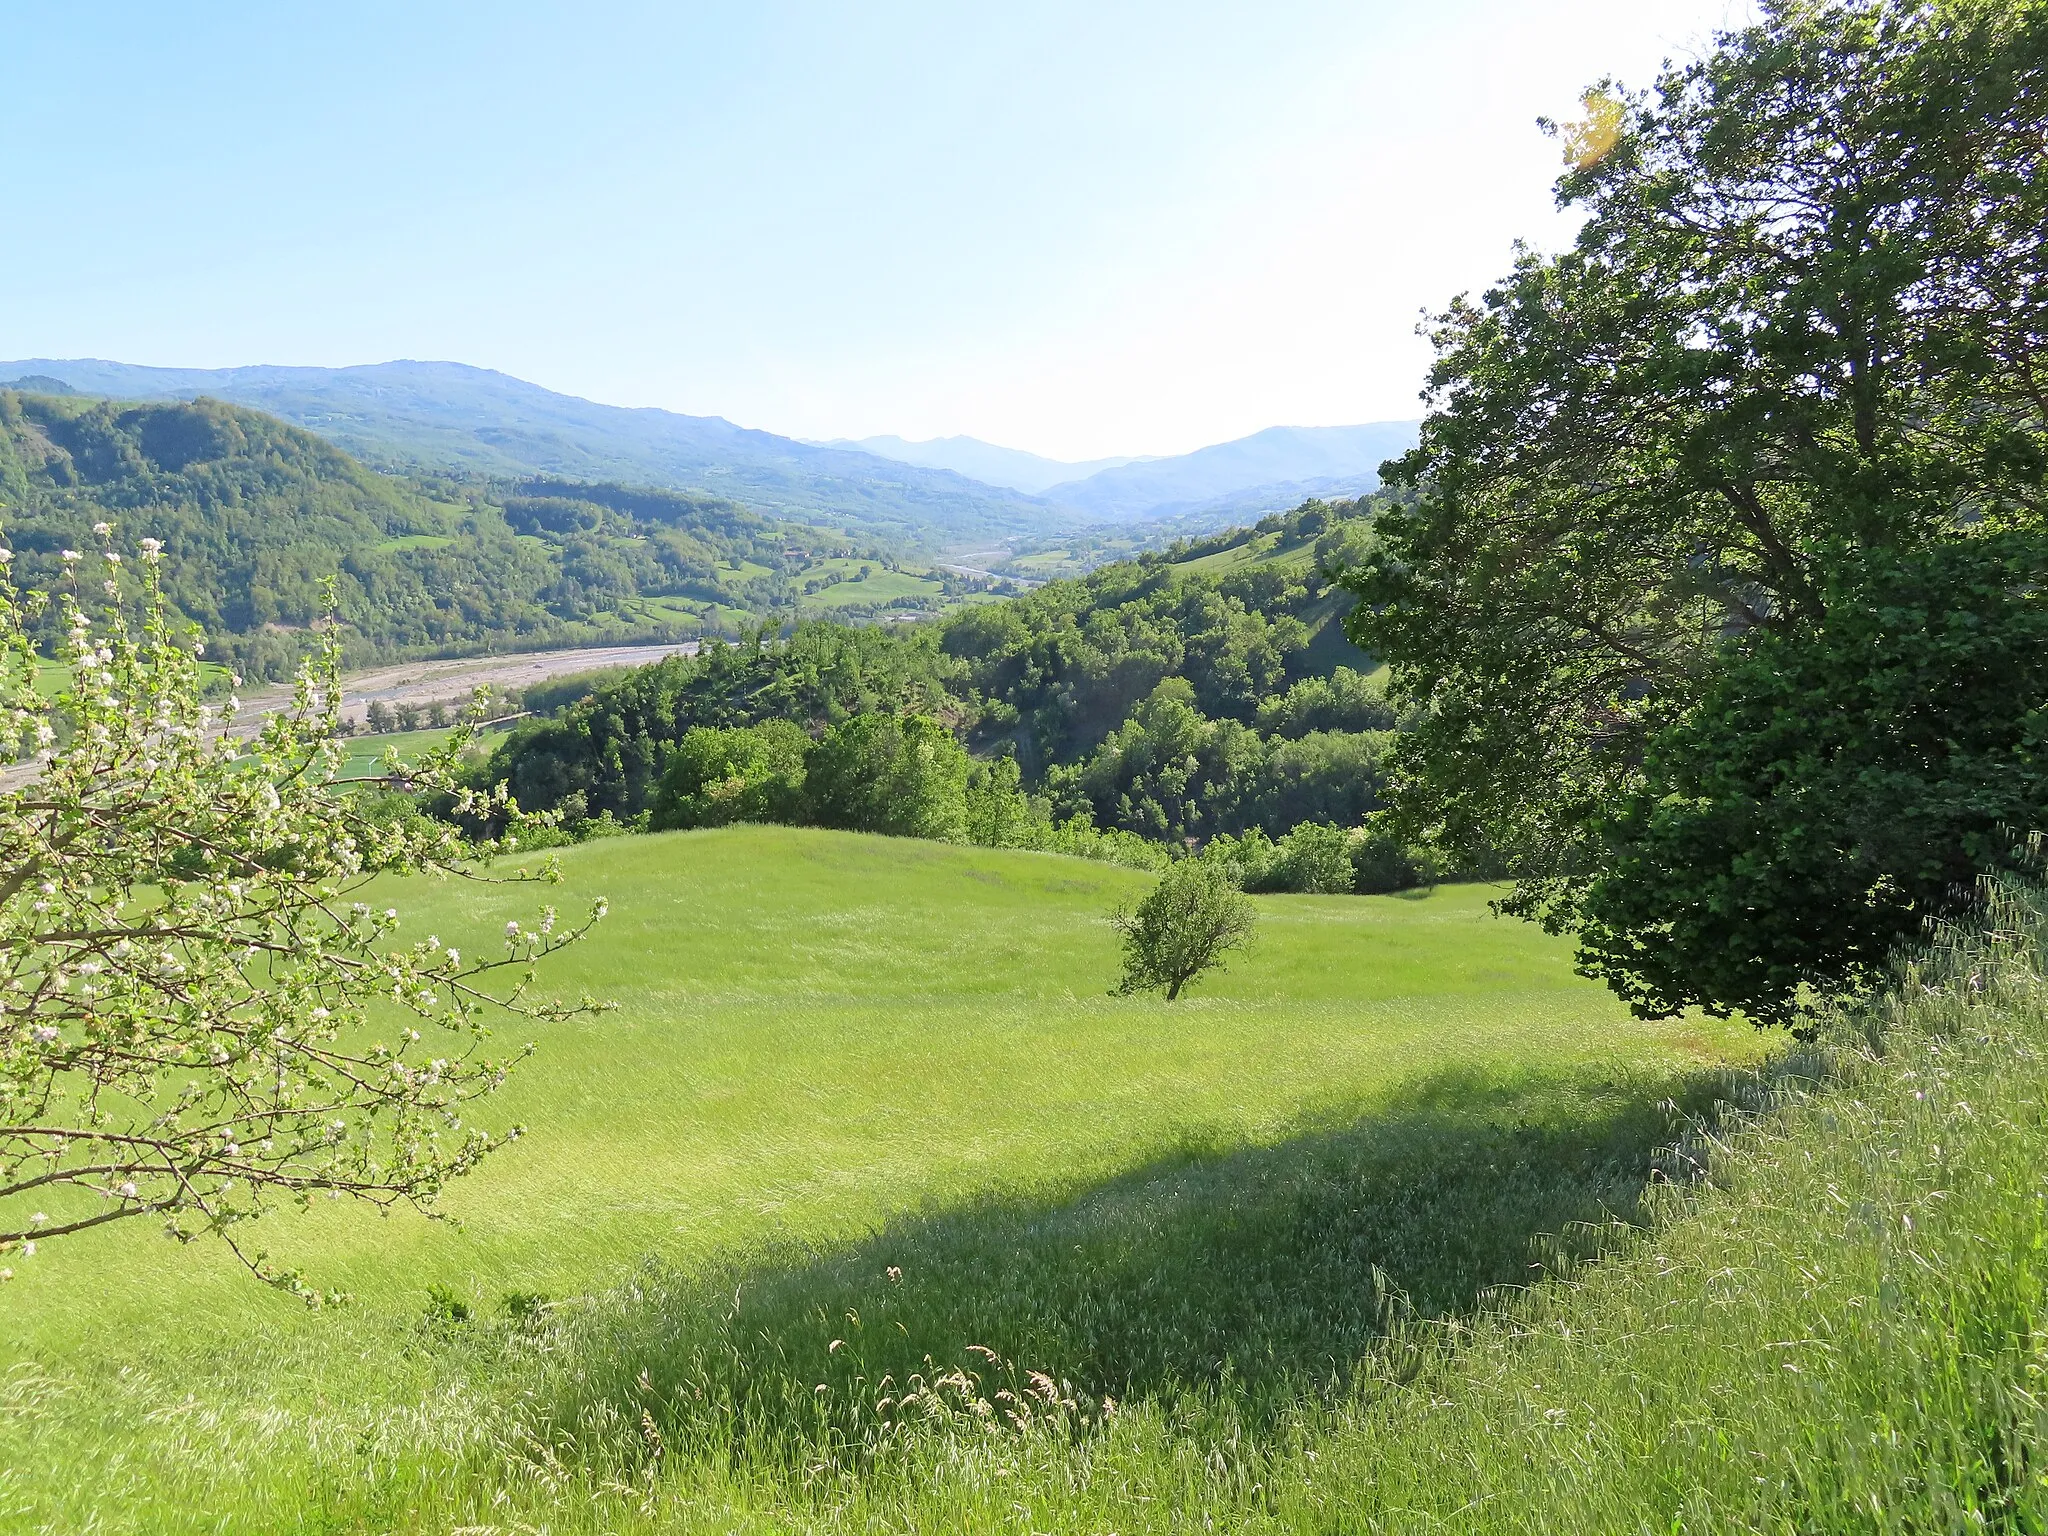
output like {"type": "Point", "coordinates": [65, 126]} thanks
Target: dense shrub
{"type": "Point", "coordinates": [1834, 788]}
{"type": "Point", "coordinates": [750, 773]}
{"type": "Point", "coordinates": [878, 773]}
{"type": "Point", "coordinates": [1382, 860]}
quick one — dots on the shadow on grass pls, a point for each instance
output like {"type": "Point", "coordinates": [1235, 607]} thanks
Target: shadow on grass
{"type": "Point", "coordinates": [1273, 1269]}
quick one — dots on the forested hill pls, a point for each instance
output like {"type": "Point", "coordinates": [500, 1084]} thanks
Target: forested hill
{"type": "Point", "coordinates": [255, 514]}
{"type": "Point", "coordinates": [448, 417]}
{"type": "Point", "coordinates": [1168, 697]}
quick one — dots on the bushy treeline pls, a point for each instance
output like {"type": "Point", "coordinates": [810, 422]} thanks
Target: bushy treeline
{"type": "Point", "coordinates": [1170, 772]}
{"type": "Point", "coordinates": [257, 517]}
{"type": "Point", "coordinates": [605, 755]}
{"type": "Point", "coordinates": [1145, 700]}
{"type": "Point", "coordinates": [1317, 858]}
{"type": "Point", "coordinates": [907, 776]}
{"type": "Point", "coordinates": [1056, 671]}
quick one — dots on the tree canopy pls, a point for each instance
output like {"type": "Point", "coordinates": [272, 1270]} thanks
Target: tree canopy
{"type": "Point", "coordinates": [1182, 928]}
{"type": "Point", "coordinates": [1797, 344]}
{"type": "Point", "coordinates": [1145, 698]}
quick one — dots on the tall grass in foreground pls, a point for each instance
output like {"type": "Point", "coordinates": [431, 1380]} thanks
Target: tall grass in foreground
{"type": "Point", "coordinates": [1831, 1314]}
{"type": "Point", "coordinates": [1842, 1326]}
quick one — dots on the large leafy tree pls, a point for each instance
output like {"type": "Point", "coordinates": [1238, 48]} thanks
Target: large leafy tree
{"type": "Point", "coordinates": [206, 1007]}
{"type": "Point", "coordinates": [1801, 340]}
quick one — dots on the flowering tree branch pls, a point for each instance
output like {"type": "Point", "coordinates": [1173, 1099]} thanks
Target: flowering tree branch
{"type": "Point", "coordinates": [201, 1013]}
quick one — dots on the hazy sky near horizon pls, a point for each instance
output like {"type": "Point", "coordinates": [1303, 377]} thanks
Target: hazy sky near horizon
{"type": "Point", "coordinates": [1110, 226]}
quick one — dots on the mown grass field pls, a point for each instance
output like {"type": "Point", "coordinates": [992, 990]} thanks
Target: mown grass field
{"type": "Point", "coordinates": [827, 1043]}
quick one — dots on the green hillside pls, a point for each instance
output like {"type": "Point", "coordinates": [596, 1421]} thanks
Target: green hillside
{"type": "Point", "coordinates": [820, 1034]}
{"type": "Point", "coordinates": [449, 418]}
{"type": "Point", "coordinates": [256, 514]}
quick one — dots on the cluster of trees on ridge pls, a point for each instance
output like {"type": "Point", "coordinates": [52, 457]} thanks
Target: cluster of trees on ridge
{"type": "Point", "coordinates": [1146, 701]}
{"type": "Point", "coordinates": [257, 517]}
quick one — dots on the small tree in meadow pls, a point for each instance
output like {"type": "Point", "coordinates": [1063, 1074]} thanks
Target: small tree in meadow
{"type": "Point", "coordinates": [203, 1012]}
{"type": "Point", "coordinates": [1182, 927]}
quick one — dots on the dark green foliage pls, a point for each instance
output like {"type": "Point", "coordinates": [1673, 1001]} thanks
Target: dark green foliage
{"type": "Point", "coordinates": [255, 516]}
{"type": "Point", "coordinates": [1060, 669]}
{"type": "Point", "coordinates": [881, 773]}
{"type": "Point", "coordinates": [742, 773]}
{"type": "Point", "coordinates": [1182, 927]}
{"type": "Point", "coordinates": [558, 693]}
{"type": "Point", "coordinates": [1166, 772]}
{"type": "Point", "coordinates": [1315, 859]}
{"type": "Point", "coordinates": [1346, 700]}
{"type": "Point", "coordinates": [870, 773]}
{"type": "Point", "coordinates": [606, 753]}
{"type": "Point", "coordinates": [1321, 859]}
{"type": "Point", "coordinates": [1138, 686]}
{"type": "Point", "coordinates": [1171, 773]}
{"type": "Point", "coordinates": [1000, 814]}
{"type": "Point", "coordinates": [1833, 790]}
{"type": "Point", "coordinates": [1328, 776]}
{"type": "Point", "coordinates": [1796, 340]}
{"type": "Point", "coordinates": [1382, 860]}
{"type": "Point", "coordinates": [446, 1307]}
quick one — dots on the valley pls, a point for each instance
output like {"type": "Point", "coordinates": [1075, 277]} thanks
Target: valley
{"type": "Point", "coordinates": [585, 969]}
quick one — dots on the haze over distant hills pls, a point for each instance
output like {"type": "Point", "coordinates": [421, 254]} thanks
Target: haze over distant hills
{"type": "Point", "coordinates": [450, 416]}
{"type": "Point", "coordinates": [990, 463]}
{"type": "Point", "coordinates": [1280, 466]}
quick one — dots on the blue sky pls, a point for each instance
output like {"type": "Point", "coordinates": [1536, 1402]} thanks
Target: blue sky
{"type": "Point", "coordinates": [1082, 229]}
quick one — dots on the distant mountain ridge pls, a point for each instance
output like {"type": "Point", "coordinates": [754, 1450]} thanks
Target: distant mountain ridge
{"type": "Point", "coordinates": [1281, 466]}
{"type": "Point", "coordinates": [1268, 471]}
{"type": "Point", "coordinates": [990, 463]}
{"type": "Point", "coordinates": [451, 416]}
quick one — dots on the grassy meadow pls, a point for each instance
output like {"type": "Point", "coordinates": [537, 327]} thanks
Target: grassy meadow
{"type": "Point", "coordinates": [832, 1049]}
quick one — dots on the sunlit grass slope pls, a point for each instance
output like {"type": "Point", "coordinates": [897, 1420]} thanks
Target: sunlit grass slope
{"type": "Point", "coordinates": [816, 1029]}
{"type": "Point", "coordinates": [817, 1033]}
